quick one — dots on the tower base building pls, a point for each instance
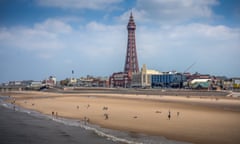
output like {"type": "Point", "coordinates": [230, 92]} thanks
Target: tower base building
{"type": "Point", "coordinates": [120, 79]}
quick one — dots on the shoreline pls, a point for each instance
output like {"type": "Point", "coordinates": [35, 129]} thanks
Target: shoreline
{"type": "Point", "coordinates": [22, 126]}
{"type": "Point", "coordinates": [200, 120]}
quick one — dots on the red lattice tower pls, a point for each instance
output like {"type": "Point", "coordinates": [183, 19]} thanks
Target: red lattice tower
{"type": "Point", "coordinates": [131, 62]}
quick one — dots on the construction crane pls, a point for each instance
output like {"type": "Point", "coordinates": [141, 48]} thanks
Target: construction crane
{"type": "Point", "coordinates": [190, 67]}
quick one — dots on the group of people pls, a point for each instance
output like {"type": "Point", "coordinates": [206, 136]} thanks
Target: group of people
{"type": "Point", "coordinates": [106, 116]}
{"type": "Point", "coordinates": [169, 114]}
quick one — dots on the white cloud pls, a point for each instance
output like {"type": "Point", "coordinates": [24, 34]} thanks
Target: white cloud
{"type": "Point", "coordinates": [29, 38]}
{"type": "Point", "coordinates": [80, 4]}
{"type": "Point", "coordinates": [102, 41]}
{"type": "Point", "coordinates": [100, 47]}
{"type": "Point", "coordinates": [171, 11]}
{"type": "Point", "coordinates": [53, 26]}
{"type": "Point", "coordinates": [42, 38]}
{"type": "Point", "coordinates": [214, 48]}
{"type": "Point", "coordinates": [138, 14]}
{"type": "Point", "coordinates": [95, 26]}
{"type": "Point", "coordinates": [89, 46]}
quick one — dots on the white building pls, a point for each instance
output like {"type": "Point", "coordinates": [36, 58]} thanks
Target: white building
{"type": "Point", "coordinates": [142, 79]}
{"type": "Point", "coordinates": [51, 81]}
{"type": "Point", "coordinates": [72, 81]}
{"type": "Point", "coordinates": [34, 84]}
{"type": "Point", "coordinates": [200, 83]}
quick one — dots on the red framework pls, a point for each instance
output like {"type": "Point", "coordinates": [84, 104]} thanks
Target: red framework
{"type": "Point", "coordinates": [131, 62]}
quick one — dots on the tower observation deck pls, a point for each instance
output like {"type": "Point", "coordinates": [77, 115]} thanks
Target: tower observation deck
{"type": "Point", "coordinates": [131, 61]}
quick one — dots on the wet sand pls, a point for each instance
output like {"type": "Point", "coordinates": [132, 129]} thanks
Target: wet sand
{"type": "Point", "coordinates": [193, 119]}
{"type": "Point", "coordinates": [22, 128]}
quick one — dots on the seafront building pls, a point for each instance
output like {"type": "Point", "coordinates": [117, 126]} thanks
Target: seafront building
{"type": "Point", "coordinates": [201, 84]}
{"type": "Point", "coordinates": [143, 78]}
{"type": "Point", "coordinates": [91, 81]}
{"type": "Point", "coordinates": [88, 81]}
{"type": "Point", "coordinates": [236, 83]}
{"type": "Point", "coordinates": [120, 79]}
{"type": "Point", "coordinates": [171, 79]}
{"type": "Point", "coordinates": [34, 85]}
{"type": "Point", "coordinates": [51, 81]}
{"type": "Point", "coordinates": [148, 78]}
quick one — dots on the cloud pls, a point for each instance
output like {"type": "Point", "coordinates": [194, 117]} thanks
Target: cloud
{"type": "Point", "coordinates": [42, 38]}
{"type": "Point", "coordinates": [29, 38]}
{"type": "Point", "coordinates": [101, 42]}
{"type": "Point", "coordinates": [171, 11]}
{"type": "Point", "coordinates": [101, 48]}
{"type": "Point", "coordinates": [88, 46]}
{"type": "Point", "coordinates": [53, 26]}
{"type": "Point", "coordinates": [214, 48]}
{"type": "Point", "coordinates": [80, 4]}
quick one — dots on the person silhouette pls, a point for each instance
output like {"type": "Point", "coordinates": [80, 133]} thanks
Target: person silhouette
{"type": "Point", "coordinates": [178, 113]}
{"type": "Point", "coordinates": [169, 115]}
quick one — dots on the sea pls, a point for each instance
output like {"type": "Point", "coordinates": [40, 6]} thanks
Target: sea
{"type": "Point", "coordinates": [23, 126]}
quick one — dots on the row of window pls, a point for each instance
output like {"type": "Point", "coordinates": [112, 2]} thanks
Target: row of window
{"type": "Point", "coordinates": [165, 78]}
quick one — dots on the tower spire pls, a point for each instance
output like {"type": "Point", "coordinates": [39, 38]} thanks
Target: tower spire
{"type": "Point", "coordinates": [131, 61]}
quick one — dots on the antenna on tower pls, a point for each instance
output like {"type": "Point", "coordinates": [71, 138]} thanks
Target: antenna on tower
{"type": "Point", "coordinates": [131, 16]}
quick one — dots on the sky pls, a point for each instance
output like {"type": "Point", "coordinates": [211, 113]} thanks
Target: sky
{"type": "Point", "coordinates": [41, 38]}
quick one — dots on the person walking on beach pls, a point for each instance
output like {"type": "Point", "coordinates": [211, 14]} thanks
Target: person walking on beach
{"type": "Point", "coordinates": [106, 116]}
{"type": "Point", "coordinates": [169, 115]}
{"type": "Point", "coordinates": [178, 113]}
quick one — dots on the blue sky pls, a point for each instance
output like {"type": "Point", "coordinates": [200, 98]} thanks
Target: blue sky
{"type": "Point", "coordinates": [39, 38]}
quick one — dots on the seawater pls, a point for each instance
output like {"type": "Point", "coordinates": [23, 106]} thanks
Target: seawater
{"type": "Point", "coordinates": [113, 135]}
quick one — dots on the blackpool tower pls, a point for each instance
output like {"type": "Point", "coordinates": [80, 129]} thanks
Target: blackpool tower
{"type": "Point", "coordinates": [131, 61]}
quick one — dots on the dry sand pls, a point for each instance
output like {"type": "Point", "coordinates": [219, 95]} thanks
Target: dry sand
{"type": "Point", "coordinates": [200, 120]}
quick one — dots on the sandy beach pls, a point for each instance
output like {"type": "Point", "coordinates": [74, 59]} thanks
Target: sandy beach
{"type": "Point", "coordinates": [22, 128]}
{"type": "Point", "coordinates": [192, 119]}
